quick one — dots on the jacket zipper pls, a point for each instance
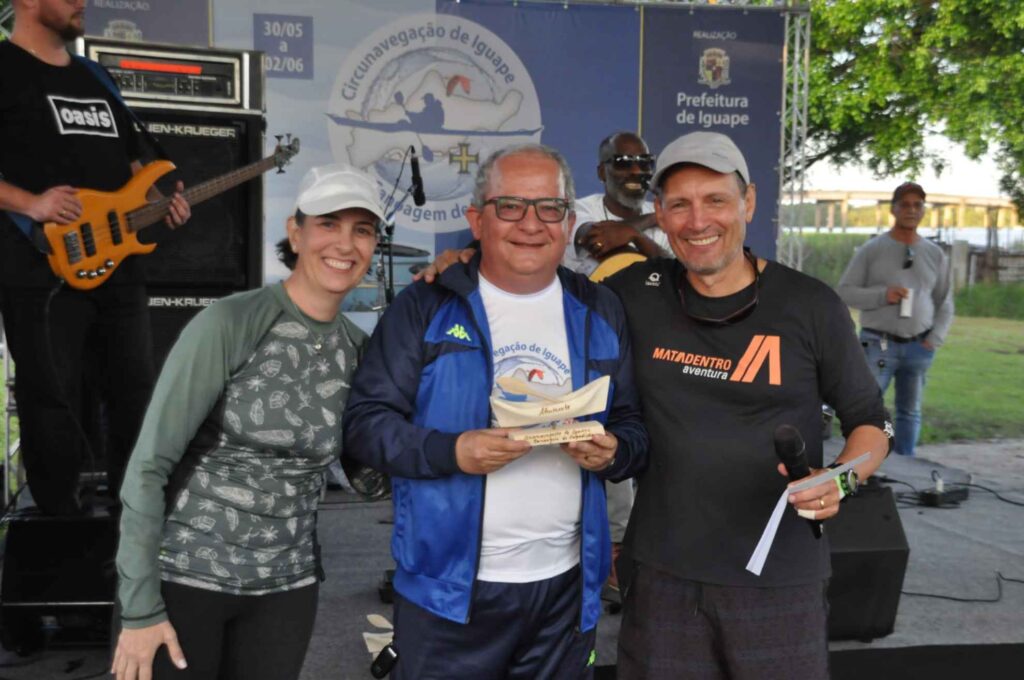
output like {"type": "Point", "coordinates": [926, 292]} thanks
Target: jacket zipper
{"type": "Point", "coordinates": [583, 477]}
{"type": "Point", "coordinates": [483, 493]}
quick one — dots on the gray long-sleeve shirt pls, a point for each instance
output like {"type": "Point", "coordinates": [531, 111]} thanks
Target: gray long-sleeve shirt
{"type": "Point", "coordinates": [877, 265]}
{"type": "Point", "coordinates": [222, 487]}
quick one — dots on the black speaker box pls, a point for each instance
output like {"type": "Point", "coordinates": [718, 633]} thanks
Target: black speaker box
{"type": "Point", "coordinates": [222, 243]}
{"type": "Point", "coordinates": [58, 577]}
{"type": "Point", "coordinates": [869, 560]}
{"type": "Point", "coordinates": [220, 250]}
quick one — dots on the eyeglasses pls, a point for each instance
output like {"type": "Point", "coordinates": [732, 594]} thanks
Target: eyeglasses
{"type": "Point", "coordinates": [733, 316]}
{"type": "Point", "coordinates": [625, 161]}
{"type": "Point", "coordinates": [908, 260]}
{"type": "Point", "coordinates": [513, 208]}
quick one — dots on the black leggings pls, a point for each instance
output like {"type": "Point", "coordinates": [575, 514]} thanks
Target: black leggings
{"type": "Point", "coordinates": [236, 637]}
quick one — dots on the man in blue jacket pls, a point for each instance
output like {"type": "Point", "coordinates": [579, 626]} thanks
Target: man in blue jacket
{"type": "Point", "coordinates": [501, 548]}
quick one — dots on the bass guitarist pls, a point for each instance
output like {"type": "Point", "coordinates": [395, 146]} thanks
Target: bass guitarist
{"type": "Point", "coordinates": [62, 128]}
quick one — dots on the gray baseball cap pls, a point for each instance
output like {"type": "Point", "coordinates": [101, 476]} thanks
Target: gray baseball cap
{"type": "Point", "coordinates": [713, 150]}
{"type": "Point", "coordinates": [329, 188]}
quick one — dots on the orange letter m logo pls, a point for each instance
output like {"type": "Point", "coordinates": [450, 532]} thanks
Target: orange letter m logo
{"type": "Point", "coordinates": [761, 347]}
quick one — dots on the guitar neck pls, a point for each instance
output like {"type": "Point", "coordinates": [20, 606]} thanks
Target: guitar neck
{"type": "Point", "coordinates": [155, 212]}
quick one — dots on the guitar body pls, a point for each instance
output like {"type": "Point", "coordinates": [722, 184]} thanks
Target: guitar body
{"type": "Point", "coordinates": [86, 252]}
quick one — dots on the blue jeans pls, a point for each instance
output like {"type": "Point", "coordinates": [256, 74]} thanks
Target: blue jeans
{"type": "Point", "coordinates": [908, 362]}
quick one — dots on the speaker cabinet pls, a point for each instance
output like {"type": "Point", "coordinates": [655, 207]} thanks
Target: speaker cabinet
{"type": "Point", "coordinates": [869, 560]}
{"type": "Point", "coordinates": [222, 244]}
{"type": "Point", "coordinates": [220, 250]}
{"type": "Point", "coordinates": [58, 575]}
{"type": "Point", "coordinates": [170, 309]}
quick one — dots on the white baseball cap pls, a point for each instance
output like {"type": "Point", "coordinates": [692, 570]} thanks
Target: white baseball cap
{"type": "Point", "coordinates": [711, 149]}
{"type": "Point", "coordinates": [329, 188]}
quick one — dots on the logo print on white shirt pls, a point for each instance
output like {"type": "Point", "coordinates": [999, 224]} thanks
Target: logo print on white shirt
{"type": "Point", "coordinates": [654, 279]}
{"type": "Point", "coordinates": [83, 116]}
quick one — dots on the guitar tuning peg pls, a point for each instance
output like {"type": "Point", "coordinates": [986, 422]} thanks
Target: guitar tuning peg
{"type": "Point", "coordinates": [278, 138]}
{"type": "Point", "coordinates": [288, 138]}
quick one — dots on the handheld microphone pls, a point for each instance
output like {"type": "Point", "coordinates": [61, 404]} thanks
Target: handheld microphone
{"type": "Point", "coordinates": [418, 197]}
{"type": "Point", "coordinates": [789, 447]}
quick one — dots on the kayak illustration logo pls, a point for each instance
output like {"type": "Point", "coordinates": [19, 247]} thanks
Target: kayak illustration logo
{"type": "Point", "coordinates": [444, 85]}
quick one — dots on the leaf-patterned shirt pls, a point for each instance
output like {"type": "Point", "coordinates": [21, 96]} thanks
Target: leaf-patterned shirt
{"type": "Point", "coordinates": [261, 405]}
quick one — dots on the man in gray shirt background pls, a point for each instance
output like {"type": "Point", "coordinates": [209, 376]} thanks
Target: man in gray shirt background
{"type": "Point", "coordinates": [900, 282]}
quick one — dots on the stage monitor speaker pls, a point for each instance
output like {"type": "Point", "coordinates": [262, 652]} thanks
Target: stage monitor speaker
{"type": "Point", "coordinates": [57, 570]}
{"type": "Point", "coordinates": [869, 560]}
{"type": "Point", "coordinates": [222, 244]}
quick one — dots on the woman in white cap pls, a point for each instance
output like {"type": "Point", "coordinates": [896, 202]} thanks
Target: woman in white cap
{"type": "Point", "coordinates": [218, 559]}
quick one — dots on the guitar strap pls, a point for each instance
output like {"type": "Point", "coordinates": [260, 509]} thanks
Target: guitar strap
{"type": "Point", "coordinates": [104, 77]}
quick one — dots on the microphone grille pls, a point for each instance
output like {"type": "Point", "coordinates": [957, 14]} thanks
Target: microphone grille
{"type": "Point", "coordinates": [788, 441]}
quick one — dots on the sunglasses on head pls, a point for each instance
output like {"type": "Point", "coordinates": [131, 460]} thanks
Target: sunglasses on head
{"type": "Point", "coordinates": [625, 161]}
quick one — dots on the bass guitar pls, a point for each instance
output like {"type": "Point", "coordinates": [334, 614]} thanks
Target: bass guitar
{"type": "Point", "coordinates": [86, 252]}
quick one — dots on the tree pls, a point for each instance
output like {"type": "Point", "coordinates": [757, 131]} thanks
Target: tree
{"type": "Point", "coordinates": [886, 73]}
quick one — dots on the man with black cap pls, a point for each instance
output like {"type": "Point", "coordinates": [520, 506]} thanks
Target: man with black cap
{"type": "Point", "coordinates": [900, 282]}
{"type": "Point", "coordinates": [728, 346]}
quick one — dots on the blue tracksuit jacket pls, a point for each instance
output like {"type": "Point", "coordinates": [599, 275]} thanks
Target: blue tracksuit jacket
{"type": "Point", "coordinates": [425, 378]}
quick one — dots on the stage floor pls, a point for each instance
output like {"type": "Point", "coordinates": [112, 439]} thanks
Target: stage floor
{"type": "Point", "coordinates": [954, 552]}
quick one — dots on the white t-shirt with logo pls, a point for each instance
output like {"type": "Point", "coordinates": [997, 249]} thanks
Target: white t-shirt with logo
{"type": "Point", "coordinates": [531, 529]}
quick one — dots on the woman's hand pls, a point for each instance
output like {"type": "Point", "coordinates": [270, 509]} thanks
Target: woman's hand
{"type": "Point", "coordinates": [136, 647]}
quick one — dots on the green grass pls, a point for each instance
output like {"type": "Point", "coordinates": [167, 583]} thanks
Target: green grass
{"type": "Point", "coordinates": [1001, 300]}
{"type": "Point", "coordinates": [3, 420]}
{"type": "Point", "coordinates": [974, 388]}
{"type": "Point", "coordinates": [825, 256]}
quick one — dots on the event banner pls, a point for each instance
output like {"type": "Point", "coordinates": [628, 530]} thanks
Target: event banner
{"type": "Point", "coordinates": [721, 70]}
{"type": "Point", "coordinates": [181, 22]}
{"type": "Point", "coordinates": [457, 80]}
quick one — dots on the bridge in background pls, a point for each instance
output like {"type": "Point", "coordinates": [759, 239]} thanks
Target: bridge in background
{"type": "Point", "coordinates": [942, 210]}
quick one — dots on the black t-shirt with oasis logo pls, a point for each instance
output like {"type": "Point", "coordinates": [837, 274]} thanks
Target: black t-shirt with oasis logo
{"type": "Point", "coordinates": [712, 397]}
{"type": "Point", "coordinates": [58, 125]}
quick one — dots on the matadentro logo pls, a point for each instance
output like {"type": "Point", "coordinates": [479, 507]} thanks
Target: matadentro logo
{"type": "Point", "coordinates": [443, 84]}
{"type": "Point", "coordinates": [763, 350]}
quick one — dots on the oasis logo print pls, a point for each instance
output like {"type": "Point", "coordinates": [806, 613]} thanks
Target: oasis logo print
{"type": "Point", "coordinates": [83, 116]}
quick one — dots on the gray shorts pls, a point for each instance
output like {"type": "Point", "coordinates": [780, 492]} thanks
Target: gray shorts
{"type": "Point", "coordinates": [680, 629]}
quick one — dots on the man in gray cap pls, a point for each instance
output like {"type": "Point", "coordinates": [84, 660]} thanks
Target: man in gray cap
{"type": "Point", "coordinates": [728, 347]}
{"type": "Point", "coordinates": [900, 283]}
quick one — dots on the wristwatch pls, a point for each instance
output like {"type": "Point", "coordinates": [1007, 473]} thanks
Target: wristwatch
{"type": "Point", "coordinates": [846, 482]}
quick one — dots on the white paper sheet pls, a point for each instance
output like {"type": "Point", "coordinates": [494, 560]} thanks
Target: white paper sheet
{"type": "Point", "coordinates": [764, 546]}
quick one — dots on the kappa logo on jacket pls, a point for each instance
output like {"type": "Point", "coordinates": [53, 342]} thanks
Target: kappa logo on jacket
{"type": "Point", "coordinates": [83, 116]}
{"type": "Point", "coordinates": [458, 332]}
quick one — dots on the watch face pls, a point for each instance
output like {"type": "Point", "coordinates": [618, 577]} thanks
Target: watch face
{"type": "Point", "coordinates": [851, 481]}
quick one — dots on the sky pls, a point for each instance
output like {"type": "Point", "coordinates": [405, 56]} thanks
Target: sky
{"type": "Point", "coordinates": [961, 176]}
